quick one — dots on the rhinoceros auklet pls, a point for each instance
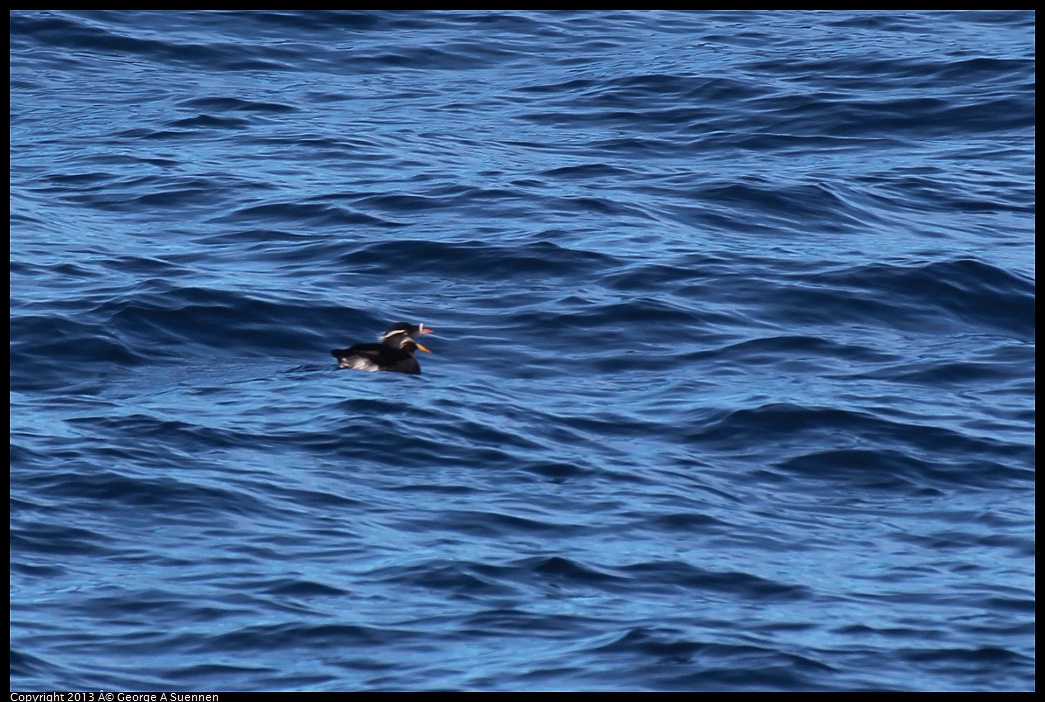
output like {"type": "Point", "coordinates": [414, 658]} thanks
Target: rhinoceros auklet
{"type": "Point", "coordinates": [394, 352]}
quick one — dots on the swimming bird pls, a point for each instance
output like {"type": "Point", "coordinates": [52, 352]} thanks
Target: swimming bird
{"type": "Point", "coordinates": [394, 352]}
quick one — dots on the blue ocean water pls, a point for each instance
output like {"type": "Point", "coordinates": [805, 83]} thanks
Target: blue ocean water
{"type": "Point", "coordinates": [732, 384]}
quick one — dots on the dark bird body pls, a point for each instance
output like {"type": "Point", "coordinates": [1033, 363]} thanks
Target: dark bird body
{"type": "Point", "coordinates": [394, 352]}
